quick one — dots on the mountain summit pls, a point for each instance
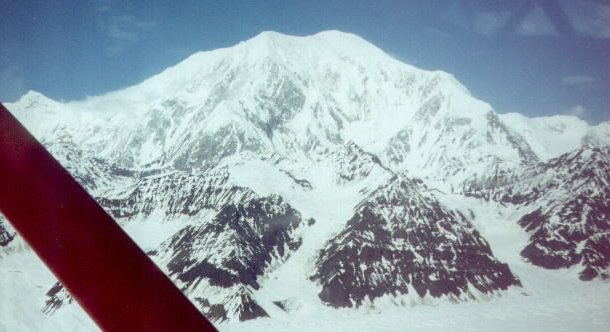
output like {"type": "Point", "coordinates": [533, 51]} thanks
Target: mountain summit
{"type": "Point", "coordinates": [286, 174]}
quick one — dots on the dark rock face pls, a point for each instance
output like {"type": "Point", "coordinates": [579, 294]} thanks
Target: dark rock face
{"type": "Point", "coordinates": [175, 193]}
{"type": "Point", "coordinates": [234, 249]}
{"type": "Point", "coordinates": [571, 221]}
{"type": "Point", "coordinates": [303, 183]}
{"type": "Point", "coordinates": [596, 257]}
{"type": "Point", "coordinates": [251, 234]}
{"type": "Point", "coordinates": [6, 236]}
{"type": "Point", "coordinates": [402, 237]}
{"type": "Point", "coordinates": [253, 230]}
{"type": "Point", "coordinates": [249, 309]}
{"type": "Point", "coordinates": [215, 312]}
{"type": "Point", "coordinates": [92, 173]}
{"type": "Point", "coordinates": [246, 308]}
{"type": "Point", "coordinates": [577, 232]}
{"type": "Point", "coordinates": [353, 163]}
{"type": "Point", "coordinates": [57, 297]}
{"type": "Point", "coordinates": [230, 252]}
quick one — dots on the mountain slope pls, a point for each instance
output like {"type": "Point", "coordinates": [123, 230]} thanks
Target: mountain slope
{"type": "Point", "coordinates": [296, 98]}
{"type": "Point", "coordinates": [214, 165]}
{"type": "Point", "coordinates": [402, 240]}
{"type": "Point", "coordinates": [569, 200]}
{"type": "Point", "coordinates": [231, 252]}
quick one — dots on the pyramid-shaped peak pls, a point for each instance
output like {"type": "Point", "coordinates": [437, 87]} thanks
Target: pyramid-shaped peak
{"type": "Point", "coordinates": [270, 34]}
{"type": "Point", "coordinates": [33, 95]}
{"type": "Point", "coordinates": [34, 99]}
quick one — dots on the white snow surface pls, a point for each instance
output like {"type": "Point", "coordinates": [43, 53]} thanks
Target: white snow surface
{"type": "Point", "coordinates": [552, 136]}
{"type": "Point", "coordinates": [298, 97]}
{"type": "Point", "coordinates": [332, 88]}
{"type": "Point", "coordinates": [549, 300]}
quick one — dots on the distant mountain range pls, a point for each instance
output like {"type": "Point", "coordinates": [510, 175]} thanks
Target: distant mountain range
{"type": "Point", "coordinates": [325, 156]}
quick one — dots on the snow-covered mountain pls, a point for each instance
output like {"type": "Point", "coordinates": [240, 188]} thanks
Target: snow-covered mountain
{"type": "Point", "coordinates": [402, 240]}
{"type": "Point", "coordinates": [570, 201]}
{"type": "Point", "coordinates": [286, 173]}
{"type": "Point", "coordinates": [244, 239]}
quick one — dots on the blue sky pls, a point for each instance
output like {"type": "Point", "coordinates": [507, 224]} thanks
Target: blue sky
{"type": "Point", "coordinates": [537, 57]}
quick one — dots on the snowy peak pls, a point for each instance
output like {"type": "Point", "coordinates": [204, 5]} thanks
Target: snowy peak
{"type": "Point", "coordinates": [568, 199]}
{"type": "Point", "coordinates": [291, 96]}
{"type": "Point", "coordinates": [36, 102]}
{"type": "Point", "coordinates": [401, 241]}
{"type": "Point", "coordinates": [218, 262]}
{"type": "Point", "coordinates": [32, 95]}
{"type": "Point", "coordinates": [314, 167]}
{"type": "Point", "coordinates": [332, 42]}
{"type": "Point", "coordinates": [589, 156]}
{"type": "Point", "coordinates": [553, 136]}
{"type": "Point", "coordinates": [598, 135]}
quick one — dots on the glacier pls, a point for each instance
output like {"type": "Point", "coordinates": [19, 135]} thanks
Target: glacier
{"type": "Point", "coordinates": [310, 182]}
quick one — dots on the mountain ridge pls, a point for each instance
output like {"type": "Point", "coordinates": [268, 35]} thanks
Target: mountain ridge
{"type": "Point", "coordinates": [307, 153]}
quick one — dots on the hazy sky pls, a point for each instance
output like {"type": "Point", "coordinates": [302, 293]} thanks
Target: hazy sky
{"type": "Point", "coordinates": [534, 57]}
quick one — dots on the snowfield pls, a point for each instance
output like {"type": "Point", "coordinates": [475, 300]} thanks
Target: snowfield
{"type": "Point", "coordinates": [316, 183]}
{"type": "Point", "coordinates": [549, 300]}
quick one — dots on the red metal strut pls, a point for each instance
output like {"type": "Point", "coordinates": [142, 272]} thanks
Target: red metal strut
{"type": "Point", "coordinates": [106, 272]}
